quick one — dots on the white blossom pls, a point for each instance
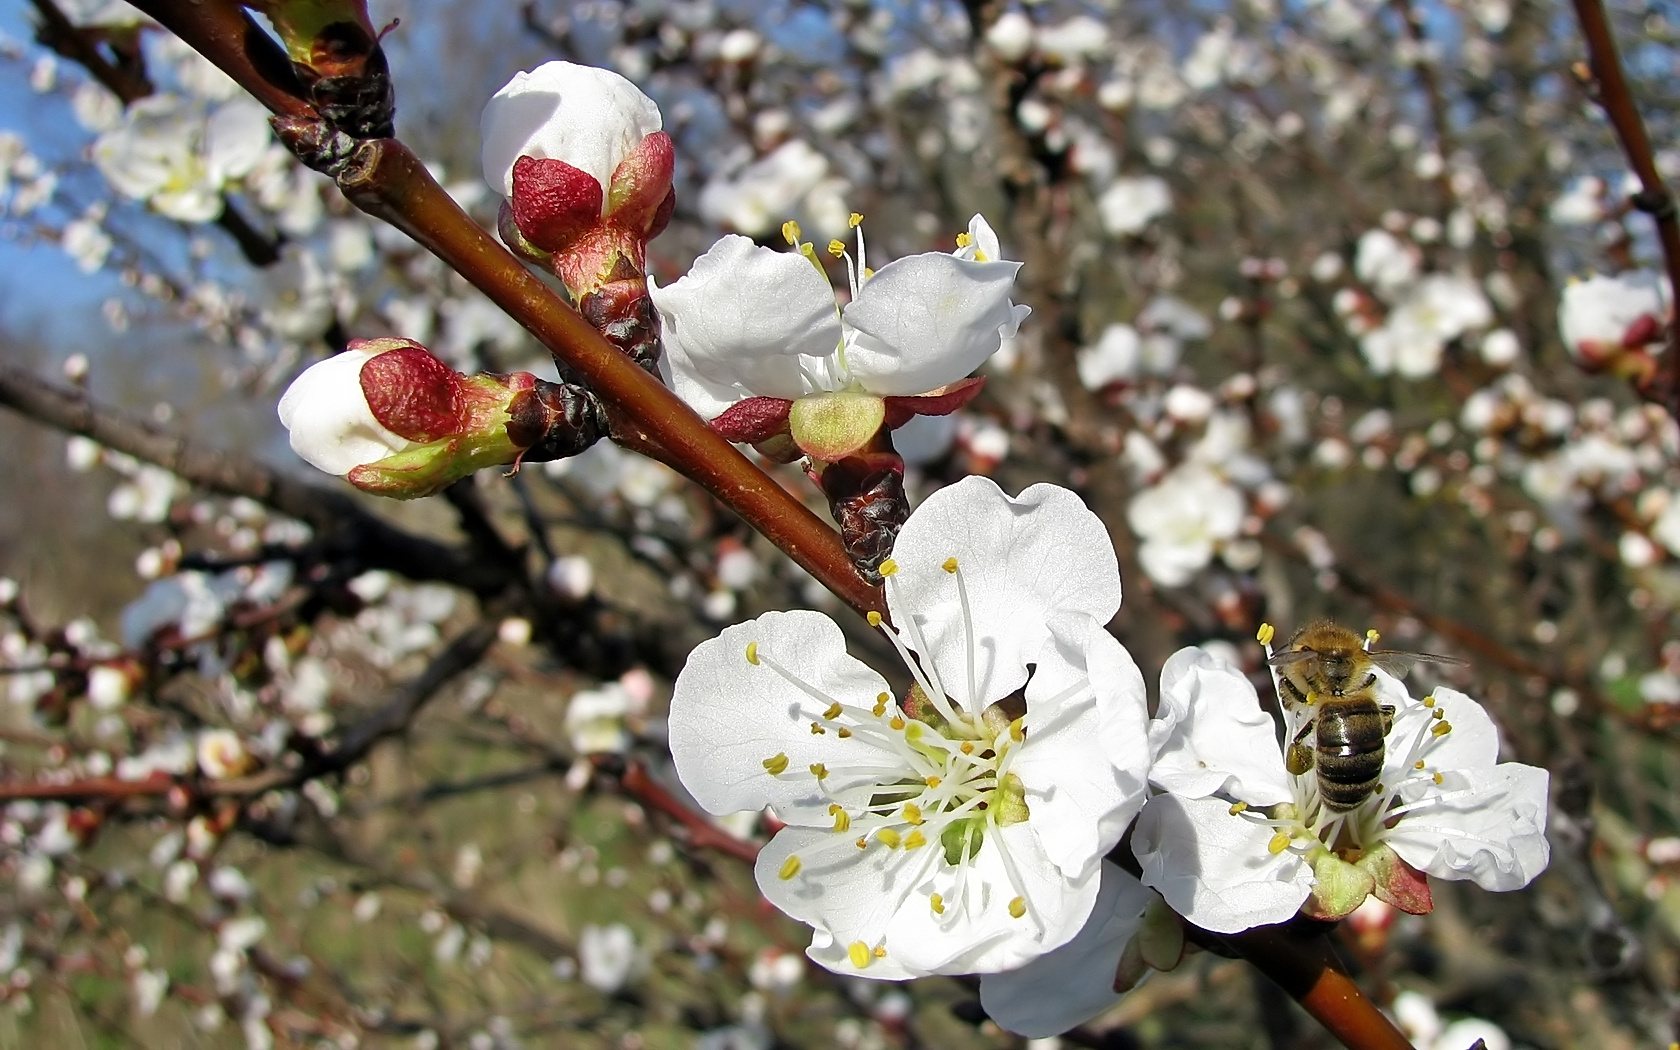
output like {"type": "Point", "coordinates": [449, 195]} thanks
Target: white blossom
{"type": "Point", "coordinates": [588, 117]}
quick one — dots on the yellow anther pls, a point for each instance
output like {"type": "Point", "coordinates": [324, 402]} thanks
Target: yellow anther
{"type": "Point", "coordinates": [819, 770]}
{"type": "Point", "coordinates": [817, 729]}
{"type": "Point", "coordinates": [889, 567]}
{"type": "Point", "coordinates": [776, 764]}
{"type": "Point", "coordinates": [790, 232]}
{"type": "Point", "coordinates": [1238, 807]}
{"type": "Point", "coordinates": [1017, 907]}
{"type": "Point", "coordinates": [879, 951]}
{"type": "Point", "coordinates": [1418, 764]}
{"type": "Point", "coordinates": [915, 840]}
{"type": "Point", "coordinates": [1017, 732]}
{"type": "Point", "coordinates": [881, 702]}
{"type": "Point", "coordinates": [897, 721]}
{"type": "Point", "coordinates": [874, 618]}
{"type": "Point", "coordinates": [854, 220]}
{"type": "Point", "coordinates": [868, 271]}
{"type": "Point", "coordinates": [937, 902]}
{"type": "Point", "coordinates": [966, 747]}
{"type": "Point", "coordinates": [1278, 844]}
{"type": "Point", "coordinates": [932, 782]}
{"type": "Point", "coordinates": [843, 733]}
{"type": "Point", "coordinates": [1371, 636]}
{"type": "Point", "coordinates": [833, 711]}
{"type": "Point", "coordinates": [1429, 701]}
{"type": "Point", "coordinates": [842, 819]}
{"type": "Point", "coordinates": [949, 565]}
{"type": "Point", "coordinates": [1265, 634]}
{"type": "Point", "coordinates": [752, 653]}
{"type": "Point", "coordinates": [836, 248]}
{"type": "Point", "coordinates": [858, 953]}
{"type": "Point", "coordinates": [789, 868]}
{"type": "Point", "coordinates": [1438, 714]}
{"type": "Point", "coordinates": [861, 843]}
{"type": "Point", "coordinates": [912, 813]}
{"type": "Point", "coordinates": [809, 252]}
{"type": "Point", "coordinates": [1439, 779]}
{"type": "Point", "coordinates": [964, 239]}
{"type": "Point", "coordinates": [1440, 729]}
{"type": "Point", "coordinates": [889, 836]}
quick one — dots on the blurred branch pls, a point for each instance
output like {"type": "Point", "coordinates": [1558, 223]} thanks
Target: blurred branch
{"type": "Point", "coordinates": [1608, 86]}
{"type": "Point", "coordinates": [633, 779]}
{"type": "Point", "coordinates": [345, 525]}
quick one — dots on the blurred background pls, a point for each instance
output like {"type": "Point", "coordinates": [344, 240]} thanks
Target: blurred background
{"type": "Point", "coordinates": [285, 765]}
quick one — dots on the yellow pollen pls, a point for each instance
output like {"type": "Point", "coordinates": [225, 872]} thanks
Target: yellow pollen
{"type": "Point", "coordinates": [869, 271]}
{"type": "Point", "coordinates": [874, 618]}
{"type": "Point", "coordinates": [861, 843]}
{"type": "Point", "coordinates": [842, 819]}
{"type": "Point", "coordinates": [1371, 636]}
{"type": "Point", "coordinates": [1238, 807]}
{"type": "Point", "coordinates": [1440, 729]}
{"type": "Point", "coordinates": [889, 567]}
{"type": "Point", "coordinates": [833, 711]}
{"type": "Point", "coordinates": [881, 702]}
{"type": "Point", "coordinates": [789, 868]}
{"type": "Point", "coordinates": [752, 653]}
{"type": "Point", "coordinates": [1017, 907]}
{"type": "Point", "coordinates": [1016, 732]}
{"type": "Point", "coordinates": [1439, 779]}
{"type": "Point", "coordinates": [966, 747]}
{"type": "Point", "coordinates": [937, 902]}
{"type": "Point", "coordinates": [790, 232]}
{"type": "Point", "coordinates": [897, 722]}
{"type": "Point", "coordinates": [879, 951]}
{"type": "Point", "coordinates": [915, 840]}
{"type": "Point", "coordinates": [1265, 634]}
{"type": "Point", "coordinates": [964, 239]}
{"type": "Point", "coordinates": [1418, 764]}
{"type": "Point", "coordinates": [1279, 843]}
{"type": "Point", "coordinates": [1429, 701]}
{"type": "Point", "coordinates": [854, 220]}
{"type": "Point", "coordinates": [817, 729]}
{"type": "Point", "coordinates": [1438, 714]}
{"type": "Point", "coordinates": [949, 565]}
{"type": "Point", "coordinates": [836, 249]}
{"type": "Point", "coordinates": [912, 813]}
{"type": "Point", "coordinates": [819, 770]}
{"type": "Point", "coordinates": [932, 782]}
{"type": "Point", "coordinates": [858, 953]}
{"type": "Point", "coordinates": [776, 764]}
{"type": "Point", "coordinates": [843, 733]}
{"type": "Point", "coordinates": [890, 837]}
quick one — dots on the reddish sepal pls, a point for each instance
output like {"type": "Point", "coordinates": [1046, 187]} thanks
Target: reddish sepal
{"type": "Point", "coordinates": [941, 402]}
{"type": "Point", "coordinates": [553, 202]}
{"type": "Point", "coordinates": [754, 420]}
{"type": "Point", "coordinates": [413, 394]}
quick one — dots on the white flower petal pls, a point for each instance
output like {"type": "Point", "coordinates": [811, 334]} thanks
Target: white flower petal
{"type": "Point", "coordinates": [1213, 867]}
{"type": "Point", "coordinates": [1486, 825]}
{"type": "Point", "coordinates": [1210, 736]}
{"type": "Point", "coordinates": [1022, 560]}
{"type": "Point", "coordinates": [928, 320]}
{"type": "Point", "coordinates": [728, 716]}
{"type": "Point", "coordinates": [1084, 710]}
{"type": "Point", "coordinates": [588, 117]}
{"type": "Point", "coordinates": [330, 424]}
{"type": "Point", "coordinates": [743, 322]}
{"type": "Point", "coordinates": [1073, 983]}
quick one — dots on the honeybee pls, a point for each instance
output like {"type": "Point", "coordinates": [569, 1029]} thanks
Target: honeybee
{"type": "Point", "coordinates": [1326, 667]}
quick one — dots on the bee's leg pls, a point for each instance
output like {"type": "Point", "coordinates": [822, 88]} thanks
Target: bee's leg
{"type": "Point", "coordinates": [1387, 719]}
{"type": "Point", "coordinates": [1295, 697]}
{"type": "Point", "coordinates": [1298, 759]}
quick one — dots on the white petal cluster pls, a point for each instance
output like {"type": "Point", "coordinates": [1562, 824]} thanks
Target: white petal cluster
{"type": "Point", "coordinates": [747, 321]}
{"type": "Point", "coordinates": [588, 117]}
{"type": "Point", "coordinates": [328, 418]}
{"type": "Point", "coordinates": [1183, 520]}
{"type": "Point", "coordinates": [179, 155]}
{"type": "Point", "coordinates": [958, 827]}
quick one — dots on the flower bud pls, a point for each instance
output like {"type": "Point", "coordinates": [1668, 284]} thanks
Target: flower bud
{"type": "Point", "coordinates": [394, 420]}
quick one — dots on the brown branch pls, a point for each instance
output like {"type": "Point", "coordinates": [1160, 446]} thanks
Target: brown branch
{"type": "Point", "coordinates": [1609, 87]}
{"type": "Point", "coordinates": [336, 514]}
{"type": "Point", "coordinates": [633, 779]}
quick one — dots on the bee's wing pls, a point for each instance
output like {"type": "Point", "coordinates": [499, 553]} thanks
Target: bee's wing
{"type": "Point", "coordinates": [1397, 662]}
{"type": "Point", "coordinates": [1291, 657]}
